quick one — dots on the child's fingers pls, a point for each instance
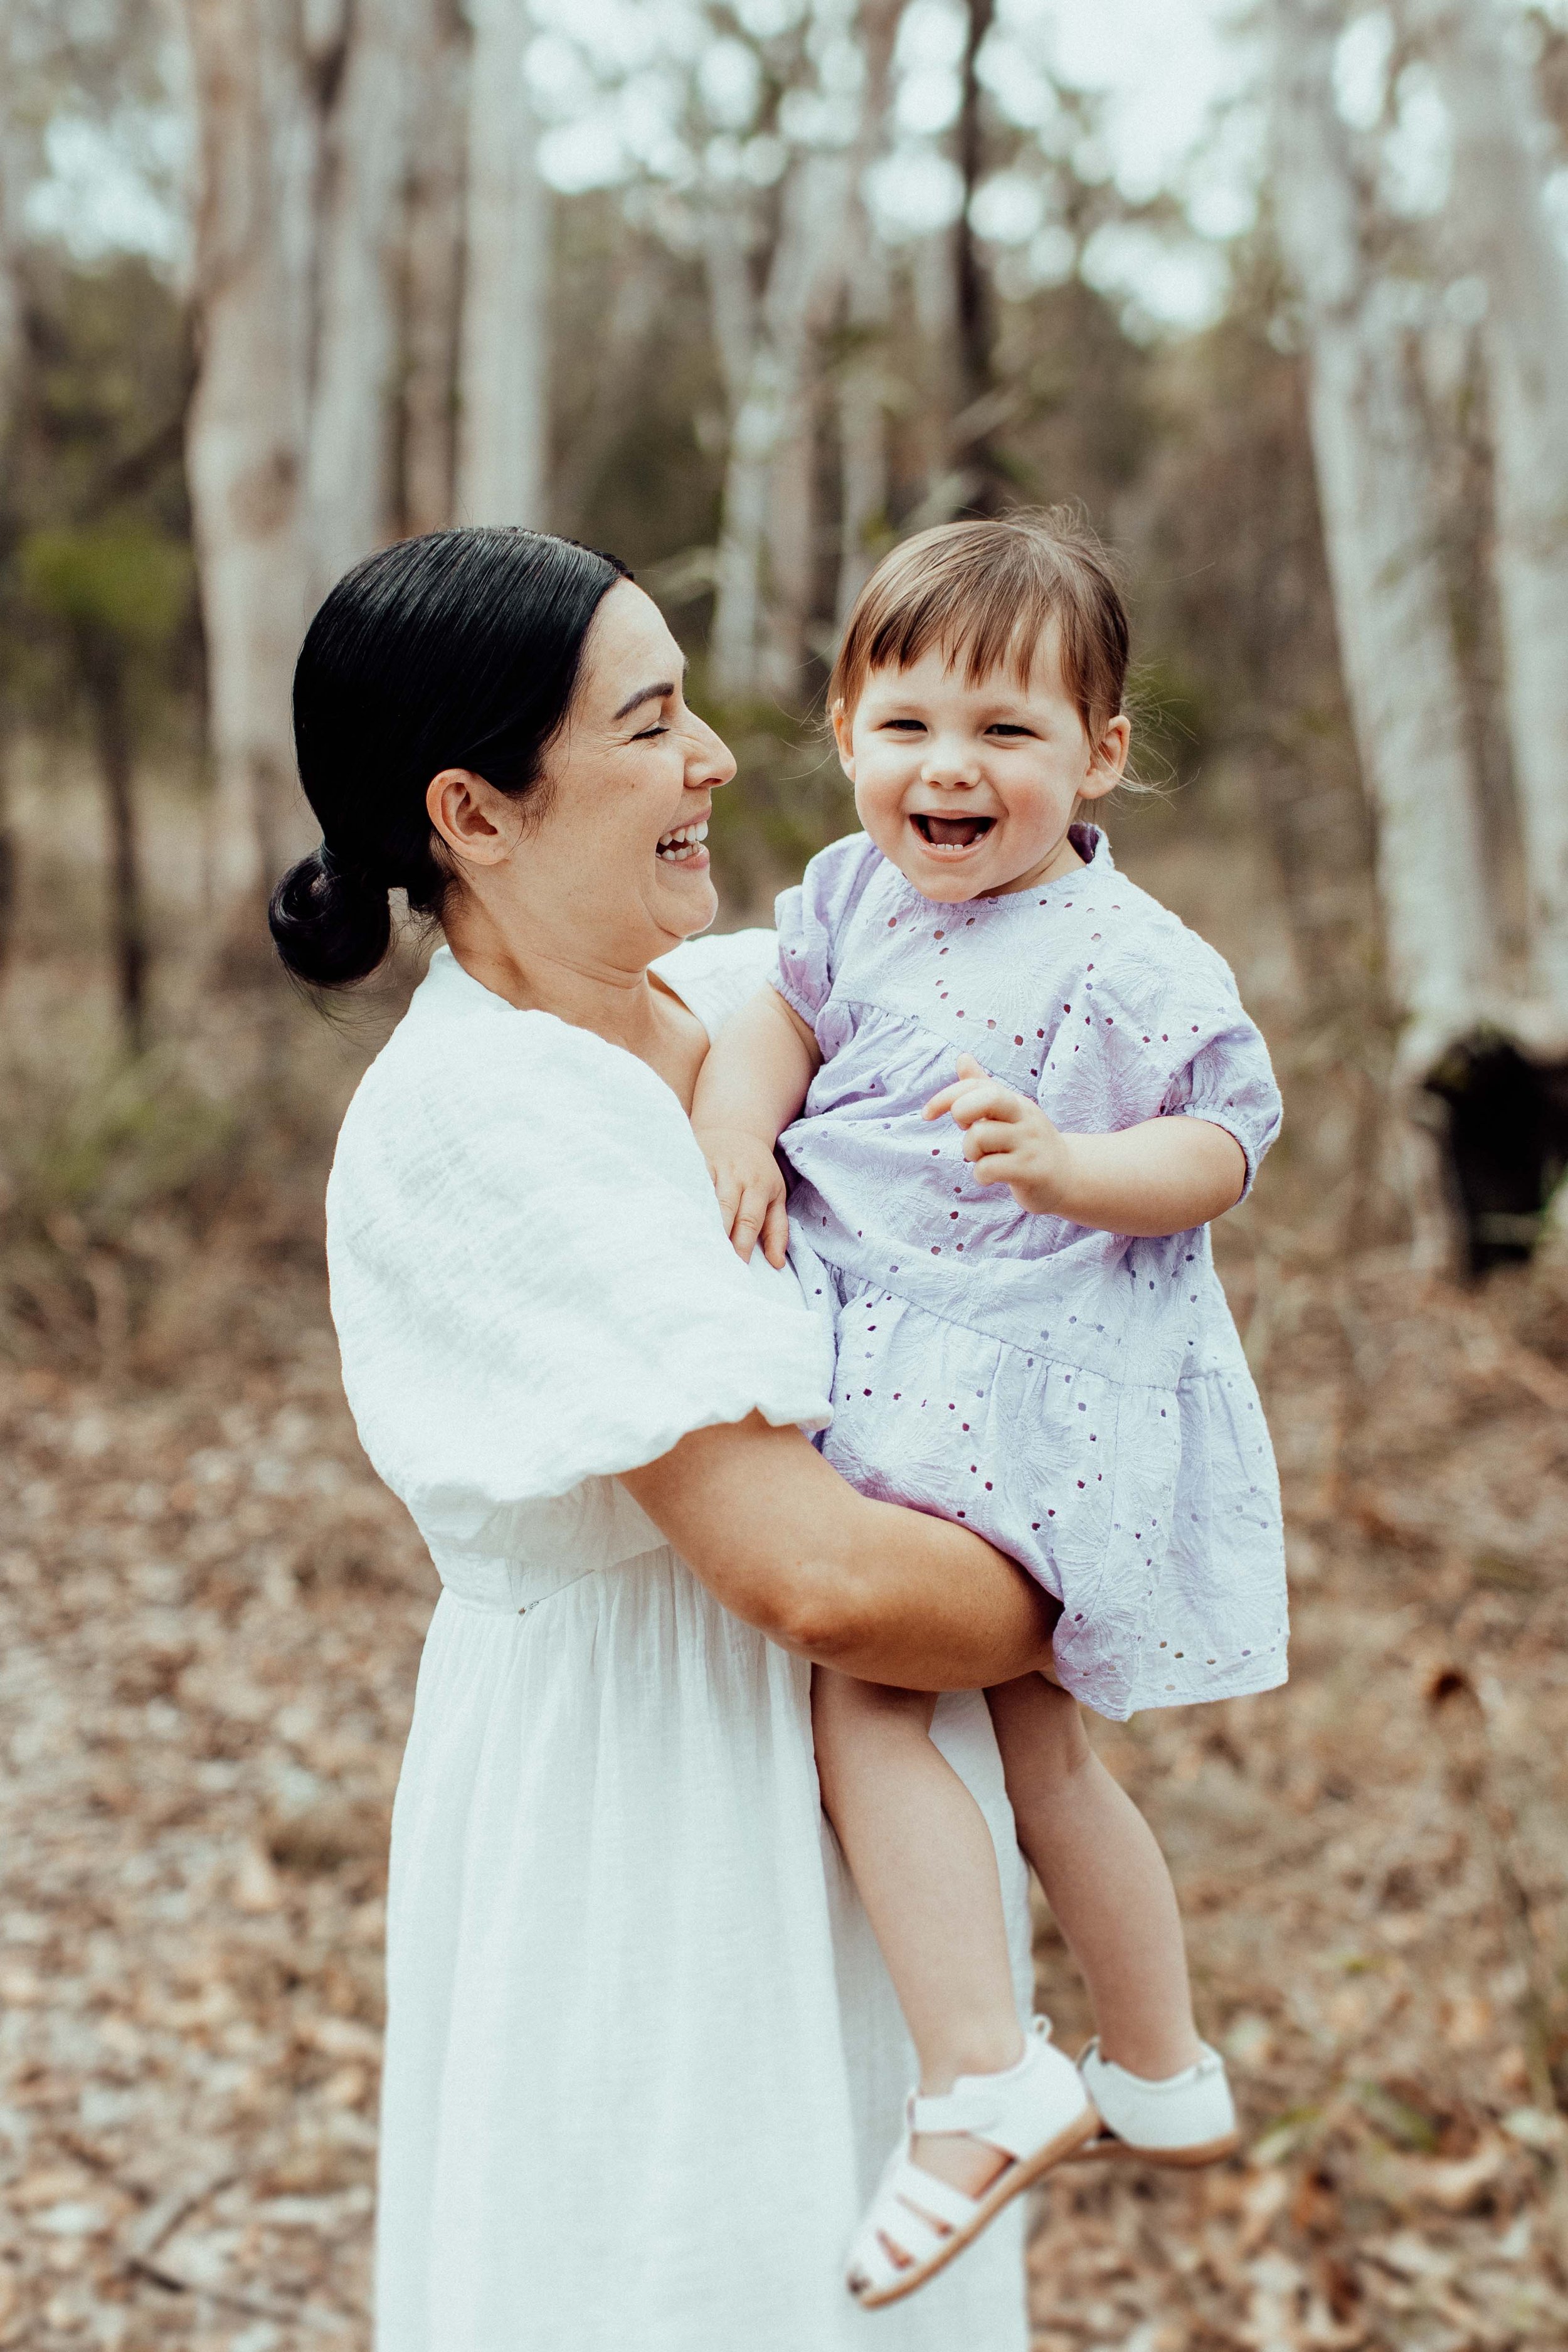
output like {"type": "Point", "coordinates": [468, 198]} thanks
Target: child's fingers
{"type": "Point", "coordinates": [990, 1105]}
{"type": "Point", "coordinates": [972, 1099]}
{"type": "Point", "coordinates": [751, 1217]}
{"type": "Point", "coordinates": [990, 1139]}
{"type": "Point", "coordinates": [728, 1189]}
{"type": "Point", "coordinates": [1000, 1168]}
{"type": "Point", "coordinates": [775, 1232]}
{"type": "Point", "coordinates": [940, 1104]}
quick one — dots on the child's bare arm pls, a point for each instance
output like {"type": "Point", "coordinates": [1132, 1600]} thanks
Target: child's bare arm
{"type": "Point", "coordinates": [751, 1086]}
{"type": "Point", "coordinates": [1164, 1176]}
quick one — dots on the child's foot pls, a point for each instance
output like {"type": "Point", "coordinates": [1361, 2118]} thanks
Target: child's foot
{"type": "Point", "coordinates": [1001, 2131]}
{"type": "Point", "coordinates": [1186, 2119]}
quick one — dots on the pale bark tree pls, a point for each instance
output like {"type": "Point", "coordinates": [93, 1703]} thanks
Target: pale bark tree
{"type": "Point", "coordinates": [1498, 222]}
{"type": "Point", "coordinates": [433, 271]}
{"type": "Point", "coordinates": [247, 449]}
{"type": "Point", "coordinates": [862, 387]}
{"type": "Point", "coordinates": [764, 337]}
{"type": "Point", "coordinates": [501, 460]}
{"type": "Point", "coordinates": [779, 271]}
{"type": "Point", "coordinates": [1390, 594]}
{"type": "Point", "coordinates": [356, 274]}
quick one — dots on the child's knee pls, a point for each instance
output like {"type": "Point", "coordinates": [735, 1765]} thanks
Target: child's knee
{"type": "Point", "coordinates": [1039, 1716]}
{"type": "Point", "coordinates": [845, 1713]}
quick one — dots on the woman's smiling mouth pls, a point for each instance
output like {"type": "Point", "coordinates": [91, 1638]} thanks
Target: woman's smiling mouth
{"type": "Point", "coordinates": [951, 832]}
{"type": "Point", "coordinates": [683, 845]}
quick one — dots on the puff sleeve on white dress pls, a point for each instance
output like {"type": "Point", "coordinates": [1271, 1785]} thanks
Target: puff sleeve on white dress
{"type": "Point", "coordinates": [641, 2054]}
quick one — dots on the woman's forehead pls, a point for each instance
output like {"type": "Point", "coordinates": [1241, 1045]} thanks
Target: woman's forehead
{"type": "Point", "coordinates": [630, 632]}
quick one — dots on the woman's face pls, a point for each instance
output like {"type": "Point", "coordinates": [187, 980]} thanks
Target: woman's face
{"type": "Point", "coordinates": [612, 871]}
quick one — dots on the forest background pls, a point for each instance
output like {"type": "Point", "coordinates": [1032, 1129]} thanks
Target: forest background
{"type": "Point", "coordinates": [1278, 297]}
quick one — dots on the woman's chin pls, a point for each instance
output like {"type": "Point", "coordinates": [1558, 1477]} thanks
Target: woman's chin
{"type": "Point", "coordinates": [687, 891]}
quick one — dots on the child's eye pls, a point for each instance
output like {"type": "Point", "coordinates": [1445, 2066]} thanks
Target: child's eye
{"type": "Point", "coordinates": [1008, 726]}
{"type": "Point", "coordinates": [904, 725]}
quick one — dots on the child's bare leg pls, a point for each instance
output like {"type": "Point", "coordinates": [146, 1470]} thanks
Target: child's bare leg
{"type": "Point", "coordinates": [1104, 1877]}
{"type": "Point", "coordinates": [922, 1856]}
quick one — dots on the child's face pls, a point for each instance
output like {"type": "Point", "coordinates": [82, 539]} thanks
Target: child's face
{"type": "Point", "coordinates": [969, 790]}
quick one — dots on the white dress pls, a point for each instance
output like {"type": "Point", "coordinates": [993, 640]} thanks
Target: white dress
{"type": "Point", "coordinates": [643, 2062]}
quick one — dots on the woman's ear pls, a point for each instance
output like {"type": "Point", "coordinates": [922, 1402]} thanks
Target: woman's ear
{"type": "Point", "coordinates": [843, 722]}
{"type": "Point", "coordinates": [479, 824]}
{"type": "Point", "coordinates": [1107, 759]}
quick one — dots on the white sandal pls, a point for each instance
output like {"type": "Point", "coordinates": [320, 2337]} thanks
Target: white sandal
{"type": "Point", "coordinates": [1037, 2112]}
{"type": "Point", "coordinates": [1185, 2119]}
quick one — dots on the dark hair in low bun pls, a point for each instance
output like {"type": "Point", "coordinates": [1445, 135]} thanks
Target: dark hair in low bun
{"type": "Point", "coordinates": [457, 650]}
{"type": "Point", "coordinates": [329, 927]}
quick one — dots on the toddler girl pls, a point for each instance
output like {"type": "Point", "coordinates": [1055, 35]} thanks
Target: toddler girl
{"type": "Point", "coordinates": [1013, 1090]}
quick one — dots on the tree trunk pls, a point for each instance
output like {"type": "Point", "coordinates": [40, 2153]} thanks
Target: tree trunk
{"type": "Point", "coordinates": [1390, 596]}
{"type": "Point", "coordinates": [248, 437]}
{"type": "Point", "coordinates": [355, 340]}
{"type": "Point", "coordinates": [11, 331]}
{"type": "Point", "coordinates": [1499, 222]}
{"type": "Point", "coordinates": [863, 525]}
{"type": "Point", "coordinates": [433, 274]}
{"type": "Point", "coordinates": [103, 668]}
{"type": "Point", "coordinates": [765, 343]}
{"type": "Point", "coordinates": [501, 467]}
{"type": "Point", "coordinates": [862, 387]}
{"type": "Point", "coordinates": [974, 445]}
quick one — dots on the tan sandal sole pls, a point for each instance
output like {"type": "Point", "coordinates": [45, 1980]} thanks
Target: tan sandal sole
{"type": "Point", "coordinates": [1012, 2183]}
{"type": "Point", "coordinates": [1109, 2149]}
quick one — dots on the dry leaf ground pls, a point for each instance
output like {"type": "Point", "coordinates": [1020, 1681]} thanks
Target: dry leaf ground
{"type": "Point", "coordinates": [210, 1618]}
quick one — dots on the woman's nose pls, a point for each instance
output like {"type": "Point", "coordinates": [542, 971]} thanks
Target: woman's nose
{"type": "Point", "coordinates": [710, 762]}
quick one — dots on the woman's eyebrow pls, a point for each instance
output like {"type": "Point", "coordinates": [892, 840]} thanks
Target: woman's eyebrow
{"type": "Point", "coordinates": [665, 686]}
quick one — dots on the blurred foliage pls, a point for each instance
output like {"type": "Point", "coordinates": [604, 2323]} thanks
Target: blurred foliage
{"type": "Point", "coordinates": [94, 519]}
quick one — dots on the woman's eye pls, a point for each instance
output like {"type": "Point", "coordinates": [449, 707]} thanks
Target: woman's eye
{"type": "Point", "coordinates": [647, 733]}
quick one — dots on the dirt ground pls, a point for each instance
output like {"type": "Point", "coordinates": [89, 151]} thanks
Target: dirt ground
{"type": "Point", "coordinates": [210, 1621]}
{"type": "Point", "coordinates": [211, 1618]}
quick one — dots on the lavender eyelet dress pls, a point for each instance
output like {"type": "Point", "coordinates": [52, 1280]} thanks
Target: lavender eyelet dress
{"type": "Point", "coordinates": [1079, 1398]}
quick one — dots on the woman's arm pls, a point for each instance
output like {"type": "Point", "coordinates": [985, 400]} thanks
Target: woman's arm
{"type": "Point", "coordinates": [752, 1084]}
{"type": "Point", "coordinates": [886, 1594]}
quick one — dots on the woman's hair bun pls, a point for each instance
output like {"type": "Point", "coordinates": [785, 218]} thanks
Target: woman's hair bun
{"type": "Point", "coordinates": [331, 926]}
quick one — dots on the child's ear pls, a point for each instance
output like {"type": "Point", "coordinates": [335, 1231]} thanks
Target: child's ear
{"type": "Point", "coordinates": [1108, 762]}
{"type": "Point", "coordinates": [843, 721]}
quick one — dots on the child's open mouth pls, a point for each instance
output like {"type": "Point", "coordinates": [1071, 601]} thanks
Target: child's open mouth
{"type": "Point", "coordinates": [953, 832]}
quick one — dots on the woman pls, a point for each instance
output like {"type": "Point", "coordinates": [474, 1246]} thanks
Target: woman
{"type": "Point", "coordinates": [640, 2050]}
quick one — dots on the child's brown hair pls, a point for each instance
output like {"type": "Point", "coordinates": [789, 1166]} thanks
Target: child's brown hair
{"type": "Point", "coordinates": [988, 591]}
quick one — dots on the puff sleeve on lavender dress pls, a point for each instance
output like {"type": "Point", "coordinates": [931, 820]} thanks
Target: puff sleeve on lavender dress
{"type": "Point", "coordinates": [638, 2046]}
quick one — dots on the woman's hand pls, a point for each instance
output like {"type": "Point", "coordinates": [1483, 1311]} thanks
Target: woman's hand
{"type": "Point", "coordinates": [751, 1188]}
{"type": "Point", "coordinates": [1011, 1142]}
{"type": "Point", "coordinates": [1164, 1176]}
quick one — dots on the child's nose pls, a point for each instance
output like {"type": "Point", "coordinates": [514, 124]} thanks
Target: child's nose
{"type": "Point", "coordinates": [948, 763]}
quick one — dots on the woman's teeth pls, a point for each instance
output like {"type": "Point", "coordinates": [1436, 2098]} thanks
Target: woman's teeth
{"type": "Point", "coordinates": [679, 848]}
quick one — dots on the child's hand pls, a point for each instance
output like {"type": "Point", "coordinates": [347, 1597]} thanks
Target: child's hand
{"type": "Point", "coordinates": [751, 1189]}
{"type": "Point", "coordinates": [1010, 1140]}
